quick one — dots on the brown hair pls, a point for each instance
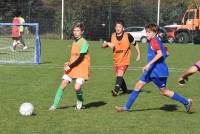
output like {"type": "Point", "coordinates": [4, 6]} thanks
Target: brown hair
{"type": "Point", "coordinates": [152, 27]}
{"type": "Point", "coordinates": [120, 22]}
{"type": "Point", "coordinates": [79, 25]}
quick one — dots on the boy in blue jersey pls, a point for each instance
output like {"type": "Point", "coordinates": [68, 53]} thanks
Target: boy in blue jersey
{"type": "Point", "coordinates": [155, 71]}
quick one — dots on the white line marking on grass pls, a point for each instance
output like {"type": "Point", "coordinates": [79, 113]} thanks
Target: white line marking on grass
{"type": "Point", "coordinates": [106, 67]}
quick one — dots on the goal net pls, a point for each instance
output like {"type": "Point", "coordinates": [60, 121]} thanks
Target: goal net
{"type": "Point", "coordinates": [19, 47]}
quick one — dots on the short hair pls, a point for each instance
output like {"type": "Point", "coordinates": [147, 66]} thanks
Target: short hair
{"type": "Point", "coordinates": [120, 22]}
{"type": "Point", "coordinates": [17, 13]}
{"type": "Point", "coordinates": [152, 27]}
{"type": "Point", "coordinates": [79, 25]}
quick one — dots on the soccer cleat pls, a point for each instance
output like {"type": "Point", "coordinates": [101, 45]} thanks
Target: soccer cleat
{"type": "Point", "coordinates": [52, 108]}
{"type": "Point", "coordinates": [114, 92]}
{"type": "Point", "coordinates": [182, 82]}
{"type": "Point", "coordinates": [121, 109]}
{"type": "Point", "coordinates": [189, 106]}
{"type": "Point", "coordinates": [25, 47]}
{"type": "Point", "coordinates": [79, 105]}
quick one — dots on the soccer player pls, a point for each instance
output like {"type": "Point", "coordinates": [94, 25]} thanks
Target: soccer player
{"type": "Point", "coordinates": [120, 43]}
{"type": "Point", "coordinates": [155, 71]}
{"type": "Point", "coordinates": [76, 69]}
{"type": "Point", "coordinates": [17, 31]}
{"type": "Point", "coordinates": [188, 72]}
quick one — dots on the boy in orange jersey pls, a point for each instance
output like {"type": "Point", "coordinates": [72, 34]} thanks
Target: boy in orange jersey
{"type": "Point", "coordinates": [120, 43]}
{"type": "Point", "coordinates": [76, 69]}
{"type": "Point", "coordinates": [17, 31]}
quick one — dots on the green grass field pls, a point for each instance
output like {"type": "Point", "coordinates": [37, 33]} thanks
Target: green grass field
{"type": "Point", "coordinates": [152, 113]}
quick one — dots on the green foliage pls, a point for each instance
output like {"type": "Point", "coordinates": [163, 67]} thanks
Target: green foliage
{"type": "Point", "coordinates": [94, 13]}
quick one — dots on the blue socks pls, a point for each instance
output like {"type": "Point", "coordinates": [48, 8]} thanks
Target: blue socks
{"type": "Point", "coordinates": [180, 99]}
{"type": "Point", "coordinates": [131, 99]}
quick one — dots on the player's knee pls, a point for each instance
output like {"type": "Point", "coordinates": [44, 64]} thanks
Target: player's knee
{"type": "Point", "coordinates": [64, 83]}
{"type": "Point", "coordinates": [79, 83]}
{"type": "Point", "coordinates": [139, 85]}
{"type": "Point", "coordinates": [164, 92]}
{"type": "Point", "coordinates": [193, 69]}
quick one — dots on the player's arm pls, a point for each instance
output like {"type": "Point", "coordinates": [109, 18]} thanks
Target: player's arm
{"type": "Point", "coordinates": [159, 54]}
{"type": "Point", "coordinates": [107, 44]}
{"type": "Point", "coordinates": [83, 52]}
{"type": "Point", "coordinates": [136, 45]}
{"type": "Point", "coordinates": [156, 58]}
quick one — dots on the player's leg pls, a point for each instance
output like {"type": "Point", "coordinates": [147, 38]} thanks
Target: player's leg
{"type": "Point", "coordinates": [175, 96]}
{"type": "Point", "coordinates": [79, 92]}
{"type": "Point", "coordinates": [15, 43]}
{"type": "Point", "coordinates": [161, 83]}
{"type": "Point", "coordinates": [66, 80]}
{"type": "Point", "coordinates": [120, 82]}
{"type": "Point", "coordinates": [124, 87]}
{"type": "Point", "coordinates": [22, 42]}
{"type": "Point", "coordinates": [144, 79]}
{"type": "Point", "coordinates": [188, 72]}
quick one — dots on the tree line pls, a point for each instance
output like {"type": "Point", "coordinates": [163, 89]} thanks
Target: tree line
{"type": "Point", "coordinates": [98, 16]}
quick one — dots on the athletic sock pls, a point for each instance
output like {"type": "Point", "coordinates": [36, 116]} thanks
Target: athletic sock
{"type": "Point", "coordinates": [118, 83]}
{"type": "Point", "coordinates": [131, 99]}
{"type": "Point", "coordinates": [79, 95]}
{"type": "Point", "coordinates": [180, 99]}
{"type": "Point", "coordinates": [124, 87]}
{"type": "Point", "coordinates": [58, 96]}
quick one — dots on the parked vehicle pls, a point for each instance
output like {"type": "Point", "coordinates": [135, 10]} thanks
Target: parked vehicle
{"type": "Point", "coordinates": [162, 34]}
{"type": "Point", "coordinates": [138, 33]}
{"type": "Point", "coordinates": [170, 30]}
{"type": "Point", "coordinates": [189, 30]}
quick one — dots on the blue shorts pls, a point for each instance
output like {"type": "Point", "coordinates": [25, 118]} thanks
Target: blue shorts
{"type": "Point", "coordinates": [160, 82]}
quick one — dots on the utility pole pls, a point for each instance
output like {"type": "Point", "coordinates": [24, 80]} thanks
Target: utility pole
{"type": "Point", "coordinates": [62, 20]}
{"type": "Point", "coordinates": [158, 15]}
{"type": "Point", "coordinates": [109, 18]}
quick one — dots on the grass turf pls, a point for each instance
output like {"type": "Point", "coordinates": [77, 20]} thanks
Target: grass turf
{"type": "Point", "coordinates": [151, 113]}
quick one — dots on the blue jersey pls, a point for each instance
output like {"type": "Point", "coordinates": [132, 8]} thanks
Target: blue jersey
{"type": "Point", "coordinates": [159, 68]}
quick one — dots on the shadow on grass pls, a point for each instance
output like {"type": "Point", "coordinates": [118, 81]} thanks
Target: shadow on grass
{"type": "Point", "coordinates": [87, 106]}
{"type": "Point", "coordinates": [95, 104]}
{"type": "Point", "coordinates": [166, 107]}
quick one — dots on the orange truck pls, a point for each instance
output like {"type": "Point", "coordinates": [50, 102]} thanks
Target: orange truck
{"type": "Point", "coordinates": [189, 30]}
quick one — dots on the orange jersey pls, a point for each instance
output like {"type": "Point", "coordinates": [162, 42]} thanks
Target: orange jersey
{"type": "Point", "coordinates": [121, 50]}
{"type": "Point", "coordinates": [16, 29]}
{"type": "Point", "coordinates": [81, 70]}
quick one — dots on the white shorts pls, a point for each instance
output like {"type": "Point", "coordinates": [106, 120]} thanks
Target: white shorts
{"type": "Point", "coordinates": [78, 80]}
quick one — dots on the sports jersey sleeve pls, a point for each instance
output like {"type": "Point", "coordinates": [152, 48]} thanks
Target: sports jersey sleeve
{"type": "Point", "coordinates": [131, 39]}
{"type": "Point", "coordinates": [84, 48]}
{"type": "Point", "coordinates": [155, 45]}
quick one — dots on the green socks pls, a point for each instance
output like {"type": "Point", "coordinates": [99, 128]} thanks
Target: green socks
{"type": "Point", "coordinates": [79, 95]}
{"type": "Point", "coordinates": [59, 93]}
{"type": "Point", "coordinates": [58, 96]}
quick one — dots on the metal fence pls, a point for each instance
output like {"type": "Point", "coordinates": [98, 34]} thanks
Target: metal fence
{"type": "Point", "coordinates": [98, 18]}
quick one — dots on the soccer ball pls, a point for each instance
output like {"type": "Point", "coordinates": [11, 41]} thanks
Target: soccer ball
{"type": "Point", "coordinates": [26, 109]}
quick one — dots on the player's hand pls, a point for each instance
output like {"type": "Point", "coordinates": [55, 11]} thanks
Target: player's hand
{"type": "Point", "coordinates": [146, 67]}
{"type": "Point", "coordinates": [66, 68]}
{"type": "Point", "coordinates": [104, 45]}
{"type": "Point", "coordinates": [66, 64]}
